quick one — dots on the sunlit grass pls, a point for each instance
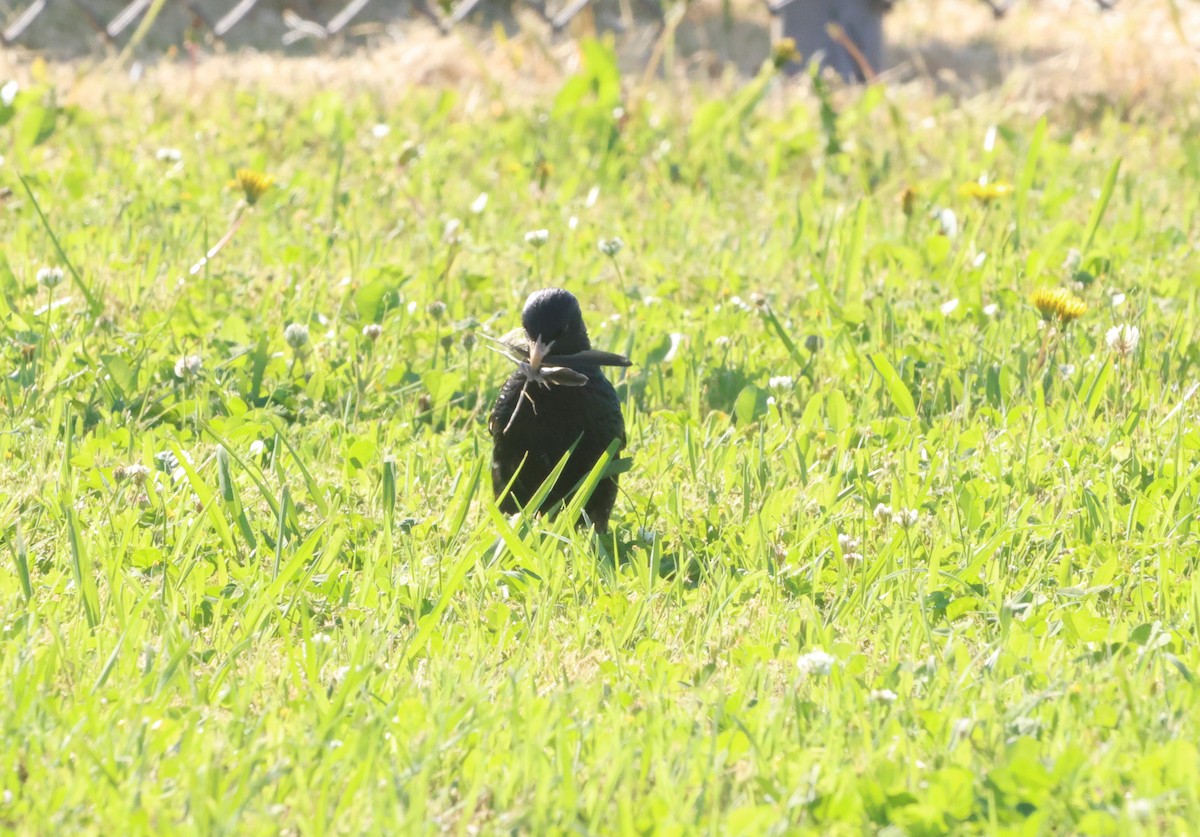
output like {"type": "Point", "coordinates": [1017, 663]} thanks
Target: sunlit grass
{"type": "Point", "coordinates": [895, 550]}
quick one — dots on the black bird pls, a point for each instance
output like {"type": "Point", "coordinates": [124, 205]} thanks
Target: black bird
{"type": "Point", "coordinates": [557, 397]}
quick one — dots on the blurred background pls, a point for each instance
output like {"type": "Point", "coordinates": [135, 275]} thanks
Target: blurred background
{"type": "Point", "coordinates": [1124, 51]}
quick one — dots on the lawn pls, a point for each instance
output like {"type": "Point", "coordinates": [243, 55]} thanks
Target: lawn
{"type": "Point", "coordinates": [899, 552]}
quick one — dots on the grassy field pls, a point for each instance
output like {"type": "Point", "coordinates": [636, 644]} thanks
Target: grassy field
{"type": "Point", "coordinates": [899, 553]}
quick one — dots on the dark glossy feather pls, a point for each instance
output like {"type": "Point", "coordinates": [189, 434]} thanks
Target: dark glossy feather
{"type": "Point", "coordinates": [536, 420]}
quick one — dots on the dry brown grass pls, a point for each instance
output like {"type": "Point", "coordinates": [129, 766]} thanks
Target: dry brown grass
{"type": "Point", "coordinates": [1044, 54]}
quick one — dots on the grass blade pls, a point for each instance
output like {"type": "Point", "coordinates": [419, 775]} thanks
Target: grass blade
{"type": "Point", "coordinates": [902, 399]}
{"type": "Point", "coordinates": [21, 560]}
{"type": "Point", "coordinates": [1106, 191]}
{"type": "Point", "coordinates": [85, 583]}
{"type": "Point", "coordinates": [94, 306]}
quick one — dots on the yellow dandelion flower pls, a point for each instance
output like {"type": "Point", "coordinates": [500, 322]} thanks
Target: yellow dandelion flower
{"type": "Point", "coordinates": [784, 52]}
{"type": "Point", "coordinates": [252, 183]}
{"type": "Point", "coordinates": [1058, 305]}
{"type": "Point", "coordinates": [986, 192]}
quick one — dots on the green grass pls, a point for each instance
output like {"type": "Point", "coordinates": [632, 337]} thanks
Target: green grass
{"type": "Point", "coordinates": [319, 622]}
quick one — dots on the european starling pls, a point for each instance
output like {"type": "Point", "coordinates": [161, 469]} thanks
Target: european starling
{"type": "Point", "coordinates": [558, 397]}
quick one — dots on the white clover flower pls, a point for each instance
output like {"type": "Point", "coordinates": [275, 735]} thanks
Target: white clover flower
{"type": "Point", "coordinates": [906, 518]}
{"type": "Point", "coordinates": [1122, 339]}
{"type": "Point", "coordinates": [536, 238]}
{"type": "Point", "coordinates": [480, 203]}
{"type": "Point", "coordinates": [188, 366]}
{"type": "Point", "coordinates": [1072, 262]}
{"type": "Point", "coordinates": [722, 342]}
{"type": "Point", "coordinates": [170, 463]}
{"type": "Point", "coordinates": [781, 383]}
{"type": "Point", "coordinates": [296, 335]}
{"type": "Point", "coordinates": [847, 543]}
{"type": "Point", "coordinates": [134, 472]}
{"type": "Point", "coordinates": [592, 195]}
{"type": "Point", "coordinates": [979, 259]}
{"type": "Point", "coordinates": [948, 221]}
{"type": "Point", "coordinates": [815, 662]}
{"type": "Point", "coordinates": [450, 231]}
{"type": "Point", "coordinates": [1138, 808]}
{"type": "Point", "coordinates": [381, 130]}
{"type": "Point", "coordinates": [676, 341]}
{"type": "Point", "coordinates": [883, 513]}
{"type": "Point", "coordinates": [991, 309]}
{"type": "Point", "coordinates": [611, 246]}
{"type": "Point", "coordinates": [8, 93]}
{"type": "Point", "coordinates": [572, 223]}
{"type": "Point", "coordinates": [372, 331]}
{"type": "Point", "coordinates": [1117, 299]}
{"type": "Point", "coordinates": [50, 277]}
{"type": "Point", "coordinates": [168, 155]}
{"type": "Point", "coordinates": [258, 447]}
{"type": "Point", "coordinates": [949, 306]}
{"type": "Point", "coordinates": [883, 696]}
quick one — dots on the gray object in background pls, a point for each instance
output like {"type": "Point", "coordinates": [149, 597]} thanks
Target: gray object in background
{"type": "Point", "coordinates": [806, 23]}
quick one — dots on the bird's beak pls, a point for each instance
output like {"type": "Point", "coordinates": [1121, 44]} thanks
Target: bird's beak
{"type": "Point", "coordinates": [537, 353]}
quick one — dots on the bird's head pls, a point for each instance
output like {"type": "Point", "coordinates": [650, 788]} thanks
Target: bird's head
{"type": "Point", "coordinates": [553, 321]}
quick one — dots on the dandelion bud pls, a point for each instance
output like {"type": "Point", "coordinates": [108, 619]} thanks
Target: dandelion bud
{"type": "Point", "coordinates": [468, 340]}
{"type": "Point", "coordinates": [536, 238]}
{"type": "Point", "coordinates": [436, 309]}
{"type": "Point", "coordinates": [813, 343]}
{"type": "Point", "coordinates": [372, 331]}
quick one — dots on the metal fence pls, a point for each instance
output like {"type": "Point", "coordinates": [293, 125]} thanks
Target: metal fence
{"type": "Point", "coordinates": [219, 19]}
{"type": "Point", "coordinates": [72, 26]}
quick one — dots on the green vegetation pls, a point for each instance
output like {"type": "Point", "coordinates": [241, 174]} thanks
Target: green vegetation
{"type": "Point", "coordinates": [894, 552]}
